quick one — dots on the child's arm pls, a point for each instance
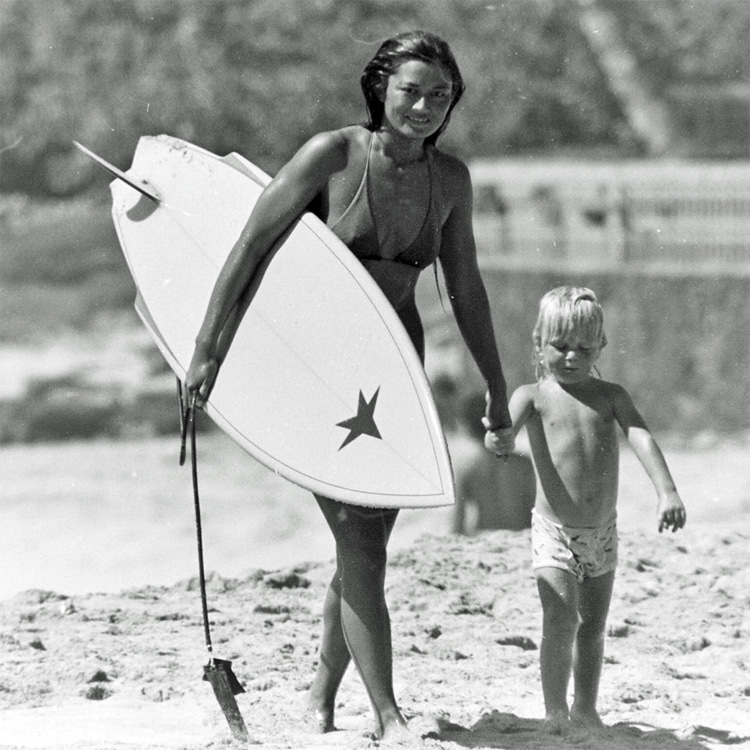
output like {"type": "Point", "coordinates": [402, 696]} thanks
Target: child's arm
{"type": "Point", "coordinates": [670, 510]}
{"type": "Point", "coordinates": [521, 406]}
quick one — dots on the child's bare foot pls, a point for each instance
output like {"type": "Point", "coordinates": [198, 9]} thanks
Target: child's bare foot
{"type": "Point", "coordinates": [556, 722]}
{"type": "Point", "coordinates": [589, 718]}
{"type": "Point", "coordinates": [319, 720]}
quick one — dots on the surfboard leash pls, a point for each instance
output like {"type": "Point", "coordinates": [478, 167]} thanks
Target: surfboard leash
{"type": "Point", "coordinates": [187, 420]}
{"type": "Point", "coordinates": [218, 672]}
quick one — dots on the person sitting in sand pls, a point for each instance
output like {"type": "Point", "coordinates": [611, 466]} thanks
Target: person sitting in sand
{"type": "Point", "coordinates": [399, 204]}
{"type": "Point", "coordinates": [571, 418]}
{"type": "Point", "coordinates": [490, 494]}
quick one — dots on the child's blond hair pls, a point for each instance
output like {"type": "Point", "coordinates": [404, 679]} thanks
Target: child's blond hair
{"type": "Point", "coordinates": [566, 311]}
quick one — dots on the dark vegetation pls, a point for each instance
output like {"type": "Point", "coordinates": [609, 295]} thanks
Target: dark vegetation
{"type": "Point", "coordinates": [259, 77]}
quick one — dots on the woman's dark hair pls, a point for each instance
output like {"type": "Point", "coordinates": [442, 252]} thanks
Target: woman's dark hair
{"type": "Point", "coordinates": [411, 45]}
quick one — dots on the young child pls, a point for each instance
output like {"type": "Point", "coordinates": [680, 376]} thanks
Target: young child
{"type": "Point", "coordinates": [571, 418]}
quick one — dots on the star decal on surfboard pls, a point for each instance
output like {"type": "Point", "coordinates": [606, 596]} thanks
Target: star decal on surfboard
{"type": "Point", "coordinates": [364, 421]}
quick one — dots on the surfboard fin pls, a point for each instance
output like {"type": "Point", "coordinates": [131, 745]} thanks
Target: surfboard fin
{"type": "Point", "coordinates": [142, 187]}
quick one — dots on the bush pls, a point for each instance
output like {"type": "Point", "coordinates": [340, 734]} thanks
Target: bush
{"type": "Point", "coordinates": [59, 417]}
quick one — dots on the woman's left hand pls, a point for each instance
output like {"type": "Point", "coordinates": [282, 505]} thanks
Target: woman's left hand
{"type": "Point", "coordinates": [500, 441]}
{"type": "Point", "coordinates": [500, 436]}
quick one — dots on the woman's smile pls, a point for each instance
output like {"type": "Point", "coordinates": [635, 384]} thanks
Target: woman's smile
{"type": "Point", "coordinates": [417, 98]}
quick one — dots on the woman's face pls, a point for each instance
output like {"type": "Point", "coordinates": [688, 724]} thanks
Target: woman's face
{"type": "Point", "coordinates": [417, 99]}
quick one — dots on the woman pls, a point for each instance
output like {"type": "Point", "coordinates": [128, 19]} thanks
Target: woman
{"type": "Point", "coordinates": [399, 204]}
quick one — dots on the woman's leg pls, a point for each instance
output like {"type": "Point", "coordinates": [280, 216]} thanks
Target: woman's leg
{"type": "Point", "coordinates": [334, 659]}
{"type": "Point", "coordinates": [356, 611]}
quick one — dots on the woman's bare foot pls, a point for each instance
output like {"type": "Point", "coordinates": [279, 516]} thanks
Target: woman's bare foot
{"type": "Point", "coordinates": [397, 734]}
{"type": "Point", "coordinates": [319, 720]}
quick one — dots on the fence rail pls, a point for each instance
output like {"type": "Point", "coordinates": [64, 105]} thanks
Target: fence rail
{"type": "Point", "coordinates": [681, 215]}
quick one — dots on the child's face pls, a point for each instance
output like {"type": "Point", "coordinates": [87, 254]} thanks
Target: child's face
{"type": "Point", "coordinates": [568, 358]}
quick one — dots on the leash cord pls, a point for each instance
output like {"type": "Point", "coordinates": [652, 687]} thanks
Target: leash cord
{"type": "Point", "coordinates": [187, 424]}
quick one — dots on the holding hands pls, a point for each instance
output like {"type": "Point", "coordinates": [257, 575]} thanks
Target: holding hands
{"type": "Point", "coordinates": [500, 441]}
{"type": "Point", "coordinates": [500, 436]}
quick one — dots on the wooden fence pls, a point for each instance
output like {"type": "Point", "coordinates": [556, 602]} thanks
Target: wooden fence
{"type": "Point", "coordinates": [675, 215]}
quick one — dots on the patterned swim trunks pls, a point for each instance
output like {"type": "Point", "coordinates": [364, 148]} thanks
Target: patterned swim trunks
{"type": "Point", "coordinates": [587, 553]}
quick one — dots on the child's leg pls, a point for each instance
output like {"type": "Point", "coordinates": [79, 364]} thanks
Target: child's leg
{"type": "Point", "coordinates": [595, 596]}
{"type": "Point", "coordinates": [361, 537]}
{"type": "Point", "coordinates": [558, 592]}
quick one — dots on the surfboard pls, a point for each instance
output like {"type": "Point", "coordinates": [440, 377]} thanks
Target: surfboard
{"type": "Point", "coordinates": [321, 382]}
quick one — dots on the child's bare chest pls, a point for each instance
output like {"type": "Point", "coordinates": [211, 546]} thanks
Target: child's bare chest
{"type": "Point", "coordinates": [588, 416]}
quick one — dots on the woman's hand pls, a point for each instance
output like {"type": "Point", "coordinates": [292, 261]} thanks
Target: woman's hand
{"type": "Point", "coordinates": [500, 441]}
{"type": "Point", "coordinates": [200, 378]}
{"type": "Point", "coordinates": [500, 436]}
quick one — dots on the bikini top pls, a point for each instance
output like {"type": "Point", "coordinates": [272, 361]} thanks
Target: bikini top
{"type": "Point", "coordinates": [357, 229]}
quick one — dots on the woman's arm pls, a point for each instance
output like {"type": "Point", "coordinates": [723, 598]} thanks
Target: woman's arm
{"type": "Point", "coordinates": [468, 295]}
{"type": "Point", "coordinates": [279, 205]}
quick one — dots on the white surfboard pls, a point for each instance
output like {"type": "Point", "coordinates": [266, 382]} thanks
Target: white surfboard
{"type": "Point", "coordinates": [321, 382]}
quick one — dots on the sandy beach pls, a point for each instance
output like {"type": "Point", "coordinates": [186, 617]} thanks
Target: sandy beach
{"type": "Point", "coordinates": [109, 671]}
{"type": "Point", "coordinates": [123, 668]}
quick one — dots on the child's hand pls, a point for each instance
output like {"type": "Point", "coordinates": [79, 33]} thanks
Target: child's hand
{"type": "Point", "coordinates": [671, 512]}
{"type": "Point", "coordinates": [500, 436]}
{"type": "Point", "coordinates": [500, 441]}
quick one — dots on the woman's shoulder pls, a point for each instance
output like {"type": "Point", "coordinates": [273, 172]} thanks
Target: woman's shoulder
{"type": "Point", "coordinates": [452, 175]}
{"type": "Point", "coordinates": [346, 137]}
{"type": "Point", "coordinates": [327, 151]}
{"type": "Point", "coordinates": [448, 164]}
{"type": "Point", "coordinates": [326, 141]}
{"type": "Point", "coordinates": [335, 144]}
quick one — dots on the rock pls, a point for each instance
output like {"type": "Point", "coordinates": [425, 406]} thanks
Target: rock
{"type": "Point", "coordinates": [97, 693]}
{"type": "Point", "coordinates": [618, 630]}
{"type": "Point", "coordinates": [521, 641]}
{"type": "Point", "coordinates": [37, 596]}
{"type": "Point", "coordinates": [99, 676]}
{"type": "Point", "coordinates": [286, 580]}
{"type": "Point", "coordinates": [271, 609]}
{"type": "Point", "coordinates": [697, 644]}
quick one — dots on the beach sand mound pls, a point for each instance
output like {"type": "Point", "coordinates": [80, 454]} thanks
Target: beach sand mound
{"type": "Point", "coordinates": [114, 671]}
